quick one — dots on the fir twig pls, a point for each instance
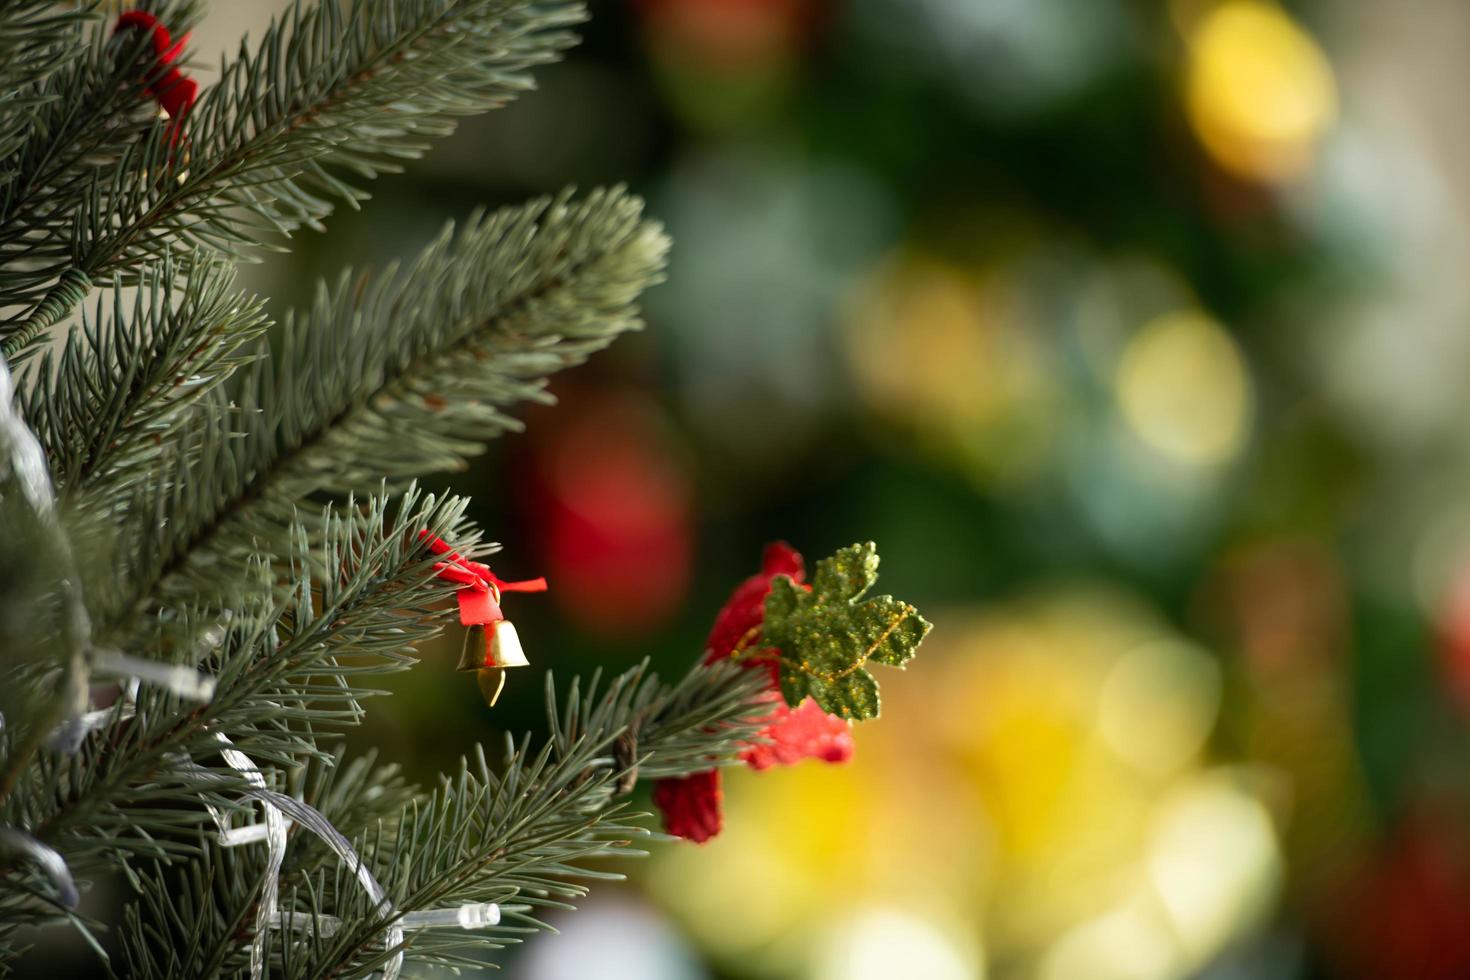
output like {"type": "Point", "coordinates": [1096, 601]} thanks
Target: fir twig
{"type": "Point", "coordinates": [521, 834]}
{"type": "Point", "coordinates": [104, 406]}
{"type": "Point", "coordinates": [402, 373]}
{"type": "Point", "coordinates": [282, 671]}
{"type": "Point", "coordinates": [329, 91]}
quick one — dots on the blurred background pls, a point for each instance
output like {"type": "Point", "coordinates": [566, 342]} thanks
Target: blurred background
{"type": "Point", "coordinates": [1135, 333]}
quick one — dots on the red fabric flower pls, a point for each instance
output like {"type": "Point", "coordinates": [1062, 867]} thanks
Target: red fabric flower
{"type": "Point", "coordinates": [691, 805]}
{"type": "Point", "coordinates": [803, 732]}
{"type": "Point", "coordinates": [740, 618]}
{"type": "Point", "coordinates": [174, 90]}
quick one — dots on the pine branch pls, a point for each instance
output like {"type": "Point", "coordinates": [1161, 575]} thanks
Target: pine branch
{"type": "Point", "coordinates": [28, 513]}
{"type": "Point", "coordinates": [281, 674]}
{"type": "Point", "coordinates": [522, 835]}
{"type": "Point", "coordinates": [32, 34]}
{"type": "Point", "coordinates": [354, 796]}
{"type": "Point", "coordinates": [396, 374]}
{"type": "Point", "coordinates": [105, 408]}
{"type": "Point", "coordinates": [328, 93]}
{"type": "Point", "coordinates": [530, 829]}
{"type": "Point", "coordinates": [83, 112]}
{"type": "Point", "coordinates": [197, 923]}
{"type": "Point", "coordinates": [37, 40]}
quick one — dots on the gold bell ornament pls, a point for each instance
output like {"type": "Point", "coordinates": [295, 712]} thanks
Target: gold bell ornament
{"type": "Point", "coordinates": [488, 650]}
{"type": "Point", "coordinates": [491, 644]}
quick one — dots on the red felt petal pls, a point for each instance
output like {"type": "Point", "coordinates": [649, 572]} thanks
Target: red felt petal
{"type": "Point", "coordinates": [803, 732]}
{"type": "Point", "coordinates": [744, 611]}
{"type": "Point", "coordinates": [691, 805]}
{"type": "Point", "coordinates": [782, 559]}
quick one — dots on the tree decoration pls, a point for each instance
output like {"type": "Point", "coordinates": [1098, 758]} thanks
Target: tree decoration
{"type": "Point", "coordinates": [826, 635]}
{"type": "Point", "coordinates": [491, 644]}
{"type": "Point", "coordinates": [692, 806]}
{"type": "Point", "coordinates": [202, 569]}
{"type": "Point", "coordinates": [610, 509]}
{"type": "Point", "coordinates": [166, 82]}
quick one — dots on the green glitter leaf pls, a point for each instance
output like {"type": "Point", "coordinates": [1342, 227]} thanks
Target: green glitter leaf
{"type": "Point", "coordinates": [784, 598]}
{"type": "Point", "coordinates": [889, 630]}
{"type": "Point", "coordinates": [853, 696]}
{"type": "Point", "coordinates": [827, 636]}
{"type": "Point", "coordinates": [847, 574]}
{"type": "Point", "coordinates": [795, 686]}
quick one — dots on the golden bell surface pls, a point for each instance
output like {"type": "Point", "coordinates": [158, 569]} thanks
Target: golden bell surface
{"type": "Point", "coordinates": [504, 649]}
{"type": "Point", "coordinates": [474, 654]}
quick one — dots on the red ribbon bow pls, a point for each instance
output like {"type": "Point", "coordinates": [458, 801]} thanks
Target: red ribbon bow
{"type": "Point", "coordinates": [174, 90]}
{"type": "Point", "coordinates": [480, 587]}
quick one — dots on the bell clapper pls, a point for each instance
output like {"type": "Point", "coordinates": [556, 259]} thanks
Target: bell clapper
{"type": "Point", "coordinates": [492, 682]}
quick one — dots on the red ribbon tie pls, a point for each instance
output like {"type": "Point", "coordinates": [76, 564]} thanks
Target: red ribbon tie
{"type": "Point", "coordinates": [479, 586]}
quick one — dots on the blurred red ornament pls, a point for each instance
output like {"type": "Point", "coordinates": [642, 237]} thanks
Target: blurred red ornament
{"type": "Point", "coordinates": [174, 90]}
{"type": "Point", "coordinates": [612, 512]}
{"type": "Point", "coordinates": [691, 806]}
{"type": "Point", "coordinates": [1453, 629]}
{"type": "Point", "coordinates": [730, 35]}
{"type": "Point", "coordinates": [1408, 921]}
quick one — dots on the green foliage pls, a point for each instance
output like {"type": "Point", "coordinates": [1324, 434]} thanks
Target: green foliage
{"type": "Point", "coordinates": [283, 671]}
{"type": "Point", "coordinates": [438, 350]}
{"type": "Point", "coordinates": [331, 93]}
{"type": "Point", "coordinates": [522, 832]}
{"type": "Point", "coordinates": [189, 490]}
{"type": "Point", "coordinates": [36, 39]}
{"type": "Point", "coordinates": [74, 118]}
{"type": "Point", "coordinates": [176, 447]}
{"type": "Point", "coordinates": [827, 635]}
{"type": "Point", "coordinates": [126, 375]}
{"type": "Point", "coordinates": [388, 374]}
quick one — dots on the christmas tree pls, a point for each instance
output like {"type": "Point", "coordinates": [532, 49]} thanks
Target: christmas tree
{"type": "Point", "coordinates": [211, 544]}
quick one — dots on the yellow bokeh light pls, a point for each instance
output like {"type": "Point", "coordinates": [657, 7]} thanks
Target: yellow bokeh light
{"type": "Point", "coordinates": [1212, 871]}
{"type": "Point", "coordinates": [1183, 389]}
{"type": "Point", "coordinates": [1129, 942]}
{"type": "Point", "coordinates": [951, 355]}
{"type": "Point", "coordinates": [881, 943]}
{"type": "Point", "coordinates": [1214, 862]}
{"type": "Point", "coordinates": [1260, 93]}
{"type": "Point", "coordinates": [1013, 809]}
{"type": "Point", "coordinates": [1158, 704]}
